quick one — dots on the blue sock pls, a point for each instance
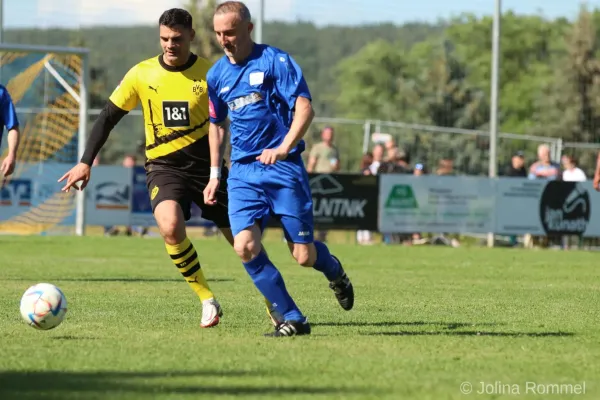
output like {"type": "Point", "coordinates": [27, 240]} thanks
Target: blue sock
{"type": "Point", "coordinates": [326, 263]}
{"type": "Point", "coordinates": [269, 282]}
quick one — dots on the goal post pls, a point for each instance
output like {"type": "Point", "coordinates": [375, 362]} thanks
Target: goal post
{"type": "Point", "coordinates": [49, 86]}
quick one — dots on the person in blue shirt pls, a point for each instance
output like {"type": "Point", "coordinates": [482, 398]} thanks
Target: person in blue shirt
{"type": "Point", "coordinates": [9, 120]}
{"type": "Point", "coordinates": [265, 95]}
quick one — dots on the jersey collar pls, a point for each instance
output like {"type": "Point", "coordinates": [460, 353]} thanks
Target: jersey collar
{"type": "Point", "coordinates": [179, 68]}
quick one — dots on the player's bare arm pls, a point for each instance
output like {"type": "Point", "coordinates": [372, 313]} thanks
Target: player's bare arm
{"type": "Point", "coordinates": [303, 117]}
{"type": "Point", "coordinates": [108, 118]}
{"type": "Point", "coordinates": [216, 142]}
{"type": "Point", "coordinates": [8, 164]}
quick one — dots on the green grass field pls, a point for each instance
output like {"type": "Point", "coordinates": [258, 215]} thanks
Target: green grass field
{"type": "Point", "coordinates": [425, 321]}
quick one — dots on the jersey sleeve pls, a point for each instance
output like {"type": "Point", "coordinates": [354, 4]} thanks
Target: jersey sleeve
{"type": "Point", "coordinates": [125, 96]}
{"type": "Point", "coordinates": [289, 80]}
{"type": "Point", "coordinates": [217, 108]}
{"type": "Point", "coordinates": [9, 114]}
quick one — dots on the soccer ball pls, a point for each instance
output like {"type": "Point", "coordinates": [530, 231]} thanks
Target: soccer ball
{"type": "Point", "coordinates": [43, 306]}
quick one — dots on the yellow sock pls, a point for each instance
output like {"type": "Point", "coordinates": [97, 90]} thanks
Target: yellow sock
{"type": "Point", "coordinates": [185, 258]}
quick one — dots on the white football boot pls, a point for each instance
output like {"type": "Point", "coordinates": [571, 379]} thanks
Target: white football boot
{"type": "Point", "coordinates": [211, 313]}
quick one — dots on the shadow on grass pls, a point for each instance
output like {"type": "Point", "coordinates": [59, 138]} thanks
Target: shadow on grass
{"type": "Point", "coordinates": [443, 329]}
{"type": "Point", "coordinates": [470, 333]}
{"type": "Point", "coordinates": [72, 337]}
{"type": "Point", "coordinates": [125, 280]}
{"type": "Point", "coordinates": [445, 325]}
{"type": "Point", "coordinates": [55, 385]}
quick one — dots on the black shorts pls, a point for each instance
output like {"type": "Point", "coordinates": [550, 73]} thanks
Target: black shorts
{"type": "Point", "coordinates": [167, 183]}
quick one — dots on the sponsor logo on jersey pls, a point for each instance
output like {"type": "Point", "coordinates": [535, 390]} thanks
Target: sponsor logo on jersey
{"type": "Point", "coordinates": [243, 101]}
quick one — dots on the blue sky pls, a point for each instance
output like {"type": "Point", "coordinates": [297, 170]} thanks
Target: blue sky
{"type": "Point", "coordinates": [75, 13]}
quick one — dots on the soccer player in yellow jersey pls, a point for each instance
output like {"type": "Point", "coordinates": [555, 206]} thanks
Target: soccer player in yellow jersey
{"type": "Point", "coordinates": [173, 93]}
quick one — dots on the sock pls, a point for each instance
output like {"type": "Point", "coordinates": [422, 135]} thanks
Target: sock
{"type": "Point", "coordinates": [269, 282]}
{"type": "Point", "coordinates": [185, 258]}
{"type": "Point", "coordinates": [326, 263]}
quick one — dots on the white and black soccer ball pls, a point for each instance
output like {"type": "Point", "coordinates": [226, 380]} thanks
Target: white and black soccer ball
{"type": "Point", "coordinates": [43, 306]}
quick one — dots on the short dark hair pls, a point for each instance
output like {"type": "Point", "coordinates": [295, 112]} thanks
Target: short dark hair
{"type": "Point", "coordinates": [176, 16]}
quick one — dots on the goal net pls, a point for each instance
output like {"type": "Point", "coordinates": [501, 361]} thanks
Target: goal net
{"type": "Point", "coordinates": [48, 87]}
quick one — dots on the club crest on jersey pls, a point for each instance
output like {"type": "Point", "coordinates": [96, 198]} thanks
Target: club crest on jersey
{"type": "Point", "coordinates": [199, 87]}
{"type": "Point", "coordinates": [243, 101]}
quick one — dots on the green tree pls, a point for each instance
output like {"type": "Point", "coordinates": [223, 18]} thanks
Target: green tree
{"type": "Point", "coordinates": [569, 106]}
{"type": "Point", "coordinates": [204, 43]}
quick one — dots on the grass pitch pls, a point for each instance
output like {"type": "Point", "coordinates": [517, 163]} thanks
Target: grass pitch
{"type": "Point", "coordinates": [425, 321]}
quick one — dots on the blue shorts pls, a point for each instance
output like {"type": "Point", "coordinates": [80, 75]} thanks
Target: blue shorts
{"type": "Point", "coordinates": [258, 192]}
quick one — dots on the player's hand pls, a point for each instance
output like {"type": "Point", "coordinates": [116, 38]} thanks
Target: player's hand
{"type": "Point", "coordinates": [210, 192]}
{"type": "Point", "coordinates": [8, 165]}
{"type": "Point", "coordinates": [271, 156]}
{"type": "Point", "coordinates": [80, 172]}
{"type": "Point", "coordinates": [597, 182]}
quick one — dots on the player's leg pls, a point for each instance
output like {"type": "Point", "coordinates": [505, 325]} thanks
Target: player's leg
{"type": "Point", "coordinates": [275, 316]}
{"type": "Point", "coordinates": [247, 205]}
{"type": "Point", "coordinates": [316, 254]}
{"type": "Point", "coordinates": [293, 205]}
{"type": "Point", "coordinates": [171, 209]}
{"type": "Point", "coordinates": [268, 280]}
{"type": "Point", "coordinates": [218, 214]}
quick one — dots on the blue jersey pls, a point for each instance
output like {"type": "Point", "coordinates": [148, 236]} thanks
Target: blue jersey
{"type": "Point", "coordinates": [259, 95]}
{"type": "Point", "coordinates": [8, 115]}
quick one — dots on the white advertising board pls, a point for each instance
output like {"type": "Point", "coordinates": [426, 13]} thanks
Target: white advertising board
{"type": "Point", "coordinates": [546, 207]}
{"type": "Point", "coordinates": [435, 204]}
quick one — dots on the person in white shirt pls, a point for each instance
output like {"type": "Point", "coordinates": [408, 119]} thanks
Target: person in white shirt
{"type": "Point", "coordinates": [572, 173]}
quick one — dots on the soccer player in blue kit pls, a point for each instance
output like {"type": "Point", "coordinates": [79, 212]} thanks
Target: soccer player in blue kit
{"type": "Point", "coordinates": [263, 91]}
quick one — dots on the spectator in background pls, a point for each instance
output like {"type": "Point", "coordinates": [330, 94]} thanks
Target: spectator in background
{"type": "Point", "coordinates": [517, 168]}
{"type": "Point", "coordinates": [364, 237]}
{"type": "Point", "coordinates": [377, 159]}
{"type": "Point", "coordinates": [365, 162]}
{"type": "Point", "coordinates": [8, 120]}
{"type": "Point", "coordinates": [390, 149]}
{"type": "Point", "coordinates": [398, 162]}
{"type": "Point", "coordinates": [445, 167]}
{"type": "Point", "coordinates": [324, 157]}
{"type": "Point", "coordinates": [544, 168]}
{"type": "Point", "coordinates": [420, 169]}
{"type": "Point", "coordinates": [572, 173]}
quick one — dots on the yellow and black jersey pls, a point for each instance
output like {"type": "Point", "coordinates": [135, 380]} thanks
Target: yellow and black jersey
{"type": "Point", "coordinates": [174, 101]}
